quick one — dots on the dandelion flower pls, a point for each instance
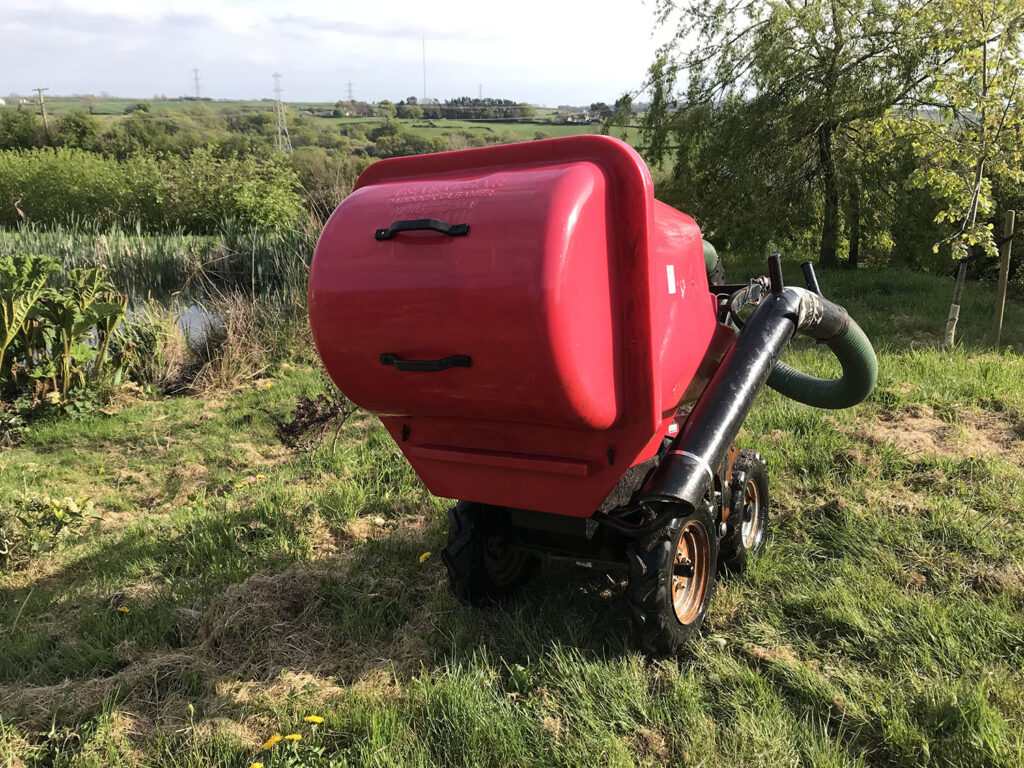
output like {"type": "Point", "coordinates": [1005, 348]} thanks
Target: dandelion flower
{"type": "Point", "coordinates": [256, 765]}
{"type": "Point", "coordinates": [272, 741]}
{"type": "Point", "coordinates": [424, 556]}
{"type": "Point", "coordinates": [293, 737]}
{"type": "Point", "coordinates": [315, 719]}
{"type": "Point", "coordinates": [259, 477]}
{"type": "Point", "coordinates": [123, 608]}
{"type": "Point", "coordinates": [101, 470]}
{"type": "Point", "coordinates": [228, 521]}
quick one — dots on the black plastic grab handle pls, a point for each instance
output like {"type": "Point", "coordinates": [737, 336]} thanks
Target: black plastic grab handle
{"type": "Point", "coordinates": [452, 361]}
{"type": "Point", "coordinates": [413, 225]}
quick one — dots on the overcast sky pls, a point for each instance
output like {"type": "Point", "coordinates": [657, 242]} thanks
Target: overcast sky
{"type": "Point", "coordinates": [545, 52]}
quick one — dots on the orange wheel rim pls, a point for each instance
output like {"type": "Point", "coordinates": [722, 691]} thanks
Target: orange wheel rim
{"type": "Point", "coordinates": [692, 556]}
{"type": "Point", "coordinates": [751, 514]}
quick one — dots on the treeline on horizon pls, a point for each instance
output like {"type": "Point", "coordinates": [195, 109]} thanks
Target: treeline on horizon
{"type": "Point", "coordinates": [191, 169]}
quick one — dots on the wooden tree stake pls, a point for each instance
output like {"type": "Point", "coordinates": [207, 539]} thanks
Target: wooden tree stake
{"type": "Point", "coordinates": [1004, 277]}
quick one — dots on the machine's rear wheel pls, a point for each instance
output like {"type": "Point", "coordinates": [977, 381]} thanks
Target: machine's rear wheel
{"type": "Point", "coordinates": [747, 525]}
{"type": "Point", "coordinates": [484, 563]}
{"type": "Point", "coordinates": [671, 580]}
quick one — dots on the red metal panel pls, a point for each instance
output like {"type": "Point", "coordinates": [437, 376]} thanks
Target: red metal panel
{"type": "Point", "coordinates": [581, 302]}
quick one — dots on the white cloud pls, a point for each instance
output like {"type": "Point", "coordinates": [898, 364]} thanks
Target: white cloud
{"type": "Point", "coordinates": [543, 52]}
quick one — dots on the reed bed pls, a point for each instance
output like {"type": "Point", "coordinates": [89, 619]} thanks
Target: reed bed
{"type": "Point", "coordinates": [254, 262]}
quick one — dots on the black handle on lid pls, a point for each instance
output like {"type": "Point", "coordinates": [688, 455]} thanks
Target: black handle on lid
{"type": "Point", "coordinates": [413, 225]}
{"type": "Point", "coordinates": [452, 361]}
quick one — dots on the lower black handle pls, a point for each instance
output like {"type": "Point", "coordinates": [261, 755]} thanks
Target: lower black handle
{"type": "Point", "coordinates": [452, 361]}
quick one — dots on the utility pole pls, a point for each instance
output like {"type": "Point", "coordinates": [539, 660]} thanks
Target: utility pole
{"type": "Point", "coordinates": [349, 85]}
{"type": "Point", "coordinates": [424, 69]}
{"type": "Point", "coordinates": [195, 81]}
{"type": "Point", "coordinates": [480, 91]}
{"type": "Point", "coordinates": [284, 142]}
{"type": "Point", "coordinates": [42, 109]}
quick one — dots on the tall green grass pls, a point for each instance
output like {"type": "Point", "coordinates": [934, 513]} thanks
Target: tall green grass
{"type": "Point", "coordinates": [258, 263]}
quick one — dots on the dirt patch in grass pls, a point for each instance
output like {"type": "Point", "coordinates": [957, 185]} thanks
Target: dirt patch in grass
{"type": "Point", "coordinates": [650, 744]}
{"type": "Point", "coordinates": [552, 725]}
{"type": "Point", "coordinates": [998, 579]}
{"type": "Point", "coordinates": [256, 458]}
{"type": "Point", "coordinates": [916, 581]}
{"type": "Point", "coordinates": [362, 528]}
{"type": "Point", "coordinates": [782, 655]}
{"type": "Point", "coordinates": [917, 431]}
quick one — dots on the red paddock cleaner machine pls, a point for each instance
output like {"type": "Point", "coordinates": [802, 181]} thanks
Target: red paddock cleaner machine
{"type": "Point", "coordinates": [538, 335]}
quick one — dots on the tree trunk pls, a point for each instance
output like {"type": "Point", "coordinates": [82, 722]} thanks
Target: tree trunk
{"type": "Point", "coordinates": [954, 308]}
{"type": "Point", "coordinates": [830, 225]}
{"type": "Point", "coordinates": [853, 223]}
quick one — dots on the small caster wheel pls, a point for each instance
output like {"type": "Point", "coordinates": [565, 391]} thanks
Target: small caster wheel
{"type": "Point", "coordinates": [747, 525]}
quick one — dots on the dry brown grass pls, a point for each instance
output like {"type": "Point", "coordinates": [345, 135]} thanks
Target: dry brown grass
{"type": "Point", "coordinates": [260, 640]}
{"type": "Point", "coordinates": [917, 431]}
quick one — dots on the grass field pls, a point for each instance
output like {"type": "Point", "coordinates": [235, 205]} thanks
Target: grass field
{"type": "Point", "coordinates": [111, 110]}
{"type": "Point", "coordinates": [229, 589]}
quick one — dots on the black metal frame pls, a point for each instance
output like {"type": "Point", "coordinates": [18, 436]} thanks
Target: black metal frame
{"type": "Point", "coordinates": [692, 467]}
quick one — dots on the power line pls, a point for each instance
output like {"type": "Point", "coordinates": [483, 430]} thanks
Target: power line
{"type": "Point", "coordinates": [424, 68]}
{"type": "Point", "coordinates": [350, 91]}
{"type": "Point", "coordinates": [284, 142]}
{"type": "Point", "coordinates": [195, 81]}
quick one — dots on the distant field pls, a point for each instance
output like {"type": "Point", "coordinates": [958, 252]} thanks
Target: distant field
{"type": "Point", "coordinates": [111, 109]}
{"type": "Point", "coordinates": [117, 106]}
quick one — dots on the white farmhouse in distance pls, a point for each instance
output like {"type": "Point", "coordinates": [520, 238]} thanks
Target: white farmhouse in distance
{"type": "Point", "coordinates": [2, 102]}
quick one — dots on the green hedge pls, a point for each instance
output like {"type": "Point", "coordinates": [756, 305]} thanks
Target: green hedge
{"type": "Point", "coordinates": [194, 193]}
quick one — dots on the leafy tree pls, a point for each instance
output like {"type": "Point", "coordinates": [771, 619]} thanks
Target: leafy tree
{"type": "Point", "coordinates": [386, 109]}
{"type": "Point", "coordinates": [807, 75]}
{"type": "Point", "coordinates": [78, 129]}
{"type": "Point", "coordinates": [410, 112]}
{"type": "Point", "coordinates": [325, 179]}
{"type": "Point", "coordinates": [252, 123]}
{"type": "Point", "coordinates": [20, 129]}
{"type": "Point", "coordinates": [353, 109]}
{"type": "Point", "coordinates": [976, 130]}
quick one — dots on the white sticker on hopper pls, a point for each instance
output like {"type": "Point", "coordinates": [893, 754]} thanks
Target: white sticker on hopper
{"type": "Point", "coordinates": [671, 270]}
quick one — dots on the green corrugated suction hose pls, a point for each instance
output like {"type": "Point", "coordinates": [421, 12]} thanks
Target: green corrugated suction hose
{"type": "Point", "coordinates": [860, 373]}
{"type": "Point", "coordinates": [710, 257]}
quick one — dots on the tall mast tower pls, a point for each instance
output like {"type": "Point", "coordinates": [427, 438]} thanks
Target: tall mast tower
{"type": "Point", "coordinates": [284, 142]}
